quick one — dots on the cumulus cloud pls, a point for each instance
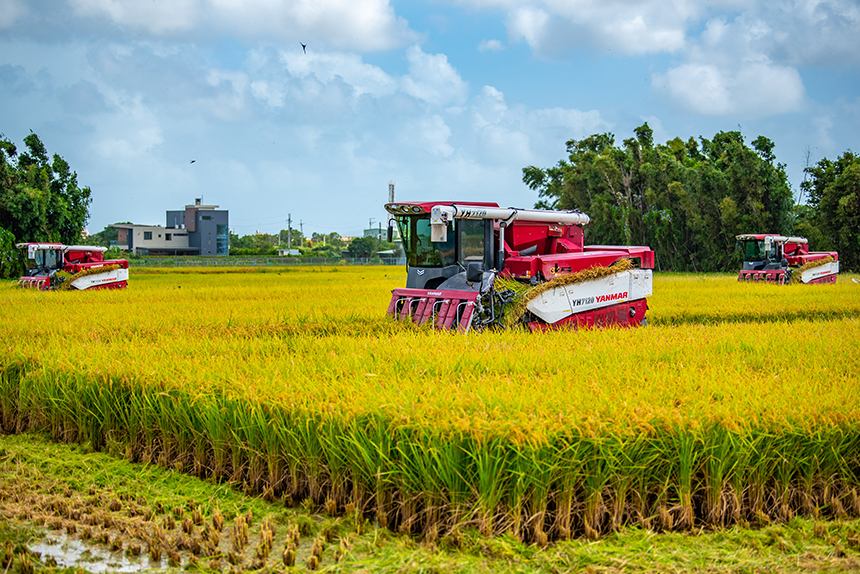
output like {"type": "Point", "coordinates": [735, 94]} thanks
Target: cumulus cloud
{"type": "Point", "coordinates": [364, 25]}
{"type": "Point", "coordinates": [790, 30]}
{"type": "Point", "coordinates": [738, 67]}
{"type": "Point", "coordinates": [132, 132]}
{"type": "Point", "coordinates": [231, 87]}
{"type": "Point", "coordinates": [798, 33]}
{"type": "Point", "coordinates": [429, 133]}
{"type": "Point", "coordinates": [364, 78]}
{"type": "Point", "coordinates": [433, 79]}
{"type": "Point", "coordinates": [504, 135]}
{"type": "Point", "coordinates": [155, 17]}
{"type": "Point", "coordinates": [632, 28]}
{"type": "Point", "coordinates": [10, 12]}
{"type": "Point", "coordinates": [751, 89]}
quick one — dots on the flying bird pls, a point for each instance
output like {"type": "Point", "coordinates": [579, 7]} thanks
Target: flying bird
{"type": "Point", "coordinates": [193, 160]}
{"type": "Point", "coordinates": [304, 48]}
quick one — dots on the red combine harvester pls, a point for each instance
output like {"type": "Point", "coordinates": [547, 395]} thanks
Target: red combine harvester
{"type": "Point", "coordinates": [774, 258]}
{"type": "Point", "coordinates": [455, 253]}
{"type": "Point", "coordinates": [55, 266]}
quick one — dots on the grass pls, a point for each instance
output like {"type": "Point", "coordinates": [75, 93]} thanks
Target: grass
{"type": "Point", "coordinates": [51, 472]}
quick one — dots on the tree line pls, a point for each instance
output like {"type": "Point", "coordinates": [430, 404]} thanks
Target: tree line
{"type": "Point", "coordinates": [688, 199]}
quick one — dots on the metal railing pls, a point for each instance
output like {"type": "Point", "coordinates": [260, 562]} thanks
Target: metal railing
{"type": "Point", "coordinates": [261, 261]}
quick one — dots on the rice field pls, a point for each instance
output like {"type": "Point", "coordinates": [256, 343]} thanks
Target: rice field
{"type": "Point", "coordinates": [739, 403]}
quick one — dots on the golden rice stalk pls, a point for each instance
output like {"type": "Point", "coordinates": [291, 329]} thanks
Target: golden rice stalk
{"type": "Point", "coordinates": [798, 273]}
{"type": "Point", "coordinates": [525, 295]}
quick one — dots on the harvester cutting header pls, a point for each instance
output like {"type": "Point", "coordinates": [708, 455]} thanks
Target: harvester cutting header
{"type": "Point", "coordinates": [52, 266]}
{"type": "Point", "coordinates": [478, 265]}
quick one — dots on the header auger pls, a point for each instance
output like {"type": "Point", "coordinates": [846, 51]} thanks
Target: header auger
{"type": "Point", "coordinates": [772, 258]}
{"type": "Point", "coordinates": [53, 266]}
{"type": "Point", "coordinates": [477, 265]}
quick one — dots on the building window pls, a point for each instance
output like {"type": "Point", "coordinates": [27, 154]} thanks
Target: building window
{"type": "Point", "coordinates": [222, 240]}
{"type": "Point", "coordinates": [206, 217]}
{"type": "Point", "coordinates": [167, 236]}
{"type": "Point", "coordinates": [147, 235]}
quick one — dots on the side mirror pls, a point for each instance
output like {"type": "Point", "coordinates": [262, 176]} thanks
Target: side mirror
{"type": "Point", "coordinates": [474, 272]}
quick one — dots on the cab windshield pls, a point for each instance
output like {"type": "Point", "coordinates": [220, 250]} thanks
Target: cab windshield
{"type": "Point", "coordinates": [420, 251]}
{"type": "Point", "coordinates": [754, 250]}
{"type": "Point", "coordinates": [464, 235]}
{"type": "Point", "coordinates": [45, 259]}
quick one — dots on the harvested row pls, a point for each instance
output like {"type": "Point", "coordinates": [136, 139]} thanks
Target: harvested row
{"type": "Point", "coordinates": [668, 427]}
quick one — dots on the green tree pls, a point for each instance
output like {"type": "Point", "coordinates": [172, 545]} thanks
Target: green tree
{"type": "Point", "coordinates": [11, 264]}
{"type": "Point", "coordinates": [105, 236]}
{"type": "Point", "coordinates": [40, 199]}
{"type": "Point", "coordinates": [362, 247]}
{"type": "Point", "coordinates": [297, 239]}
{"type": "Point", "coordinates": [685, 199]}
{"type": "Point", "coordinates": [833, 189]}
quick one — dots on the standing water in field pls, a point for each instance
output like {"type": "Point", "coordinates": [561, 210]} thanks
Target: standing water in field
{"type": "Point", "coordinates": [74, 553]}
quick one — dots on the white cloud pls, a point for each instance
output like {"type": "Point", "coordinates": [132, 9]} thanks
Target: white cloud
{"type": "Point", "coordinates": [572, 121]}
{"type": "Point", "coordinates": [433, 79]}
{"type": "Point", "coordinates": [230, 92]}
{"type": "Point", "coordinates": [529, 24]}
{"type": "Point", "coordinates": [431, 134]}
{"type": "Point", "coordinates": [129, 133]}
{"type": "Point", "coordinates": [790, 32]}
{"type": "Point", "coordinates": [364, 78]}
{"type": "Point", "coordinates": [340, 24]}
{"type": "Point", "coordinates": [752, 89]}
{"type": "Point", "coordinates": [502, 135]}
{"type": "Point", "coordinates": [631, 28]}
{"type": "Point", "coordinates": [490, 106]}
{"type": "Point", "coordinates": [155, 17]}
{"type": "Point", "coordinates": [490, 46]}
{"type": "Point", "coordinates": [268, 93]}
{"type": "Point", "coordinates": [799, 33]}
{"type": "Point", "coordinates": [10, 12]}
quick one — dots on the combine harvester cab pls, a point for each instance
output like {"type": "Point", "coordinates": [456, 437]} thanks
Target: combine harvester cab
{"type": "Point", "coordinates": [468, 263]}
{"type": "Point", "coordinates": [770, 258]}
{"type": "Point", "coordinates": [53, 266]}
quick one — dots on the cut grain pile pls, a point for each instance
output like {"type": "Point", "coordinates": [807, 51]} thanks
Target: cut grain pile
{"type": "Point", "coordinates": [69, 278]}
{"type": "Point", "coordinates": [526, 293]}
{"type": "Point", "coordinates": [797, 274]}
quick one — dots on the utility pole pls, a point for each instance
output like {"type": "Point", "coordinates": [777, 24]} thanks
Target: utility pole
{"type": "Point", "coordinates": [289, 235]}
{"type": "Point", "coordinates": [302, 231]}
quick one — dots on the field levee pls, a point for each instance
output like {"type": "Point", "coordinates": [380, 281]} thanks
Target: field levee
{"type": "Point", "coordinates": [738, 404]}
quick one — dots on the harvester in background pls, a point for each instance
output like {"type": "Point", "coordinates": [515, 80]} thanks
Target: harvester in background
{"type": "Point", "coordinates": [778, 259]}
{"type": "Point", "coordinates": [476, 265]}
{"type": "Point", "coordinates": [53, 266]}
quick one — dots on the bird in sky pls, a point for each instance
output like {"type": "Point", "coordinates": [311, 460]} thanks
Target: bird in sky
{"type": "Point", "coordinates": [193, 160]}
{"type": "Point", "coordinates": [304, 48]}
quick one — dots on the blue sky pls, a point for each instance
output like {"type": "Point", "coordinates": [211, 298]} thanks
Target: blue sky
{"type": "Point", "coordinates": [450, 99]}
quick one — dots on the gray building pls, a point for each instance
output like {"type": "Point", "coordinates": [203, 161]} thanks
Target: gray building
{"type": "Point", "coordinates": [196, 230]}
